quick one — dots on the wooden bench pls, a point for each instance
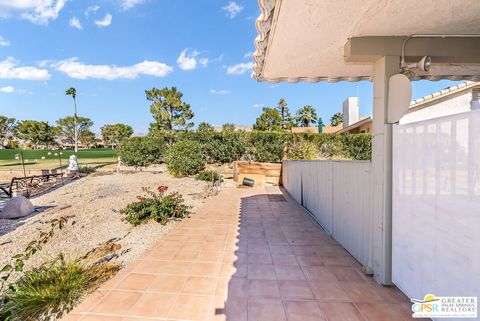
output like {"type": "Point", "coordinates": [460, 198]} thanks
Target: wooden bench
{"type": "Point", "coordinates": [27, 185]}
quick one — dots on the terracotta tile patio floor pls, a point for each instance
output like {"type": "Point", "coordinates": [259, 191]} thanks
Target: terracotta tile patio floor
{"type": "Point", "coordinates": [245, 255]}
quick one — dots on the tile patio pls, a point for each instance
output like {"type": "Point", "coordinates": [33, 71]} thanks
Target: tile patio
{"type": "Point", "coordinates": [244, 256]}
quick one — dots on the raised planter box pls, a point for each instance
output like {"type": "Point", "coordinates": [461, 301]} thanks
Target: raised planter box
{"type": "Point", "coordinates": [262, 173]}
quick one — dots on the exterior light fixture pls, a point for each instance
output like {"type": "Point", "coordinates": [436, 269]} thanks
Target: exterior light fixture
{"type": "Point", "coordinates": [423, 64]}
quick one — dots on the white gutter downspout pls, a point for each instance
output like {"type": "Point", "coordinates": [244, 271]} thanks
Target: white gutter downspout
{"type": "Point", "coordinates": [475, 102]}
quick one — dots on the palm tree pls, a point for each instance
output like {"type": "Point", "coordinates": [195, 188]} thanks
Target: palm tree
{"type": "Point", "coordinates": [285, 114]}
{"type": "Point", "coordinates": [336, 119]}
{"type": "Point", "coordinates": [306, 115]}
{"type": "Point", "coordinates": [73, 92]}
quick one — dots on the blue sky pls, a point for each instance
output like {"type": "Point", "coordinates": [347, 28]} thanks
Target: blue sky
{"type": "Point", "coordinates": [112, 50]}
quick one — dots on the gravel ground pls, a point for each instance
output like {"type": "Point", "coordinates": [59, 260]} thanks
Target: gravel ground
{"type": "Point", "coordinates": [93, 201]}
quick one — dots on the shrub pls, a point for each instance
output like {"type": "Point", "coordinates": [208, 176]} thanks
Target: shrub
{"type": "Point", "coordinates": [142, 151]}
{"type": "Point", "coordinates": [209, 176]}
{"type": "Point", "coordinates": [225, 147]}
{"type": "Point", "coordinates": [300, 148]}
{"type": "Point", "coordinates": [86, 170]}
{"type": "Point", "coordinates": [156, 206]}
{"type": "Point", "coordinates": [358, 146]}
{"type": "Point", "coordinates": [52, 289]}
{"type": "Point", "coordinates": [185, 158]}
{"type": "Point", "coordinates": [266, 146]}
{"type": "Point", "coordinates": [330, 146]}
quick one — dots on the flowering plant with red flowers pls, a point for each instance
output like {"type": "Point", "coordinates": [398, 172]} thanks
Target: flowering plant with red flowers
{"type": "Point", "coordinates": [158, 206]}
{"type": "Point", "coordinates": [161, 189]}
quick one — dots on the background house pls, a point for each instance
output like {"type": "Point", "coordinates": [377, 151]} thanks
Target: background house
{"type": "Point", "coordinates": [449, 101]}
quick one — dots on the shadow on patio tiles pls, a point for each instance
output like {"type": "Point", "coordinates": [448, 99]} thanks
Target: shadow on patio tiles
{"type": "Point", "coordinates": [287, 267]}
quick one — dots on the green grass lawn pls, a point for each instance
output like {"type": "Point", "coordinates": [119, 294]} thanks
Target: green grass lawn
{"type": "Point", "coordinates": [49, 159]}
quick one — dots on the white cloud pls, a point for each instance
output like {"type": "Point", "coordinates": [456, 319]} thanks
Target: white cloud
{"type": "Point", "coordinates": [37, 11]}
{"type": "Point", "coordinates": [75, 23]}
{"type": "Point", "coordinates": [220, 91]}
{"type": "Point", "coordinates": [204, 62]}
{"type": "Point", "coordinates": [239, 69]}
{"type": "Point", "coordinates": [75, 69]}
{"type": "Point", "coordinates": [248, 54]}
{"type": "Point", "coordinates": [91, 10]}
{"type": "Point", "coordinates": [7, 89]}
{"type": "Point", "coordinates": [9, 69]}
{"type": "Point", "coordinates": [128, 4]}
{"type": "Point", "coordinates": [233, 9]}
{"type": "Point", "coordinates": [187, 61]}
{"type": "Point", "coordinates": [258, 105]}
{"type": "Point", "coordinates": [43, 63]}
{"type": "Point", "coordinates": [4, 42]}
{"type": "Point", "coordinates": [105, 22]}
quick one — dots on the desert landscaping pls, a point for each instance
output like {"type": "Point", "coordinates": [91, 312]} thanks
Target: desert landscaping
{"type": "Point", "coordinates": [91, 205]}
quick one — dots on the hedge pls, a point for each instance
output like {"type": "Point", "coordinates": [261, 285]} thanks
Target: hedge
{"type": "Point", "coordinates": [226, 147]}
{"type": "Point", "coordinates": [185, 158]}
{"type": "Point", "coordinates": [142, 151]}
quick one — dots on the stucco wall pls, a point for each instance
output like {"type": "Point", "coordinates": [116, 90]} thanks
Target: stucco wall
{"type": "Point", "coordinates": [452, 106]}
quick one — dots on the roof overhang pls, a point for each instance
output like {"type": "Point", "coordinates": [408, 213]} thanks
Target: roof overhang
{"type": "Point", "coordinates": [331, 40]}
{"type": "Point", "coordinates": [353, 126]}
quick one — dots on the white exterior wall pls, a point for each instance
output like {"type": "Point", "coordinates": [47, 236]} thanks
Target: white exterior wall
{"type": "Point", "coordinates": [338, 195]}
{"type": "Point", "coordinates": [452, 106]}
{"type": "Point", "coordinates": [436, 206]}
{"type": "Point", "coordinates": [351, 111]}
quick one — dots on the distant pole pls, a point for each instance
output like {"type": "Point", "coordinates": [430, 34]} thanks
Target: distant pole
{"type": "Point", "coordinates": [73, 92]}
{"type": "Point", "coordinates": [23, 164]}
{"type": "Point", "coordinates": [75, 121]}
{"type": "Point", "coordinates": [61, 167]}
{"type": "Point", "coordinates": [358, 96]}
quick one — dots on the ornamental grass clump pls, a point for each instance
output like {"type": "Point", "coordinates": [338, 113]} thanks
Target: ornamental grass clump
{"type": "Point", "coordinates": [47, 292]}
{"type": "Point", "coordinates": [156, 206]}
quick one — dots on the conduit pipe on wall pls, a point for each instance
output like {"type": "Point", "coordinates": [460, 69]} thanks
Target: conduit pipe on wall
{"type": "Point", "coordinates": [426, 60]}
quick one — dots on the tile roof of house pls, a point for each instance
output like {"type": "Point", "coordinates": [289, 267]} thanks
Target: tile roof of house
{"type": "Point", "coordinates": [443, 93]}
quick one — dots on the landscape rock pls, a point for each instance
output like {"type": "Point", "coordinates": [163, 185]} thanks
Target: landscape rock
{"type": "Point", "coordinates": [16, 207]}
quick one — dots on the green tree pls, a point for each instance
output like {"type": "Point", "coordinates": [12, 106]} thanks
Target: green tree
{"type": "Point", "coordinates": [73, 92]}
{"type": "Point", "coordinates": [285, 114]}
{"type": "Point", "coordinates": [269, 120]}
{"type": "Point", "coordinates": [113, 135]}
{"type": "Point", "coordinates": [306, 115]}
{"type": "Point", "coordinates": [36, 132]}
{"type": "Point", "coordinates": [87, 138]}
{"type": "Point", "coordinates": [66, 128]}
{"type": "Point", "coordinates": [336, 119]}
{"type": "Point", "coordinates": [228, 127]}
{"type": "Point", "coordinates": [7, 129]}
{"type": "Point", "coordinates": [168, 110]}
{"type": "Point", "coordinates": [204, 127]}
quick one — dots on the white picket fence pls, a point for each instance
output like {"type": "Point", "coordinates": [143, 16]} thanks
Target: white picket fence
{"type": "Point", "coordinates": [338, 196]}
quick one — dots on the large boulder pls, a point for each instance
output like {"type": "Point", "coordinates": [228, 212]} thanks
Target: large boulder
{"type": "Point", "coordinates": [16, 207]}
